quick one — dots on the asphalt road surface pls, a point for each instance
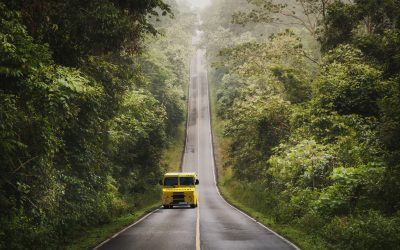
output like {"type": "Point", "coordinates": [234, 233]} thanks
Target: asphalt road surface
{"type": "Point", "coordinates": [214, 224]}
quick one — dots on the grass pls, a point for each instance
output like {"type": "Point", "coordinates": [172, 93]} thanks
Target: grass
{"type": "Point", "coordinates": [243, 199]}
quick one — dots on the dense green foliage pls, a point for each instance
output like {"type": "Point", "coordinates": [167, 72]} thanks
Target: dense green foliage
{"type": "Point", "coordinates": [314, 139]}
{"type": "Point", "coordinates": [86, 109]}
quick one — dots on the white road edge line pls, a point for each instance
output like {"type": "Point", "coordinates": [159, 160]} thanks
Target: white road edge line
{"type": "Point", "coordinates": [216, 186]}
{"type": "Point", "coordinates": [126, 228]}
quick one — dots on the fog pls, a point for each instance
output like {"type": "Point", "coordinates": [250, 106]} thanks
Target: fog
{"type": "Point", "coordinates": [198, 3]}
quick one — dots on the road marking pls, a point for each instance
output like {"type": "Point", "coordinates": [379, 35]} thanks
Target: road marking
{"type": "Point", "coordinates": [198, 247]}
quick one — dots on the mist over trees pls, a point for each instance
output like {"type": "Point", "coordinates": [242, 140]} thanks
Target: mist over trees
{"type": "Point", "coordinates": [309, 95]}
{"type": "Point", "coordinates": [90, 94]}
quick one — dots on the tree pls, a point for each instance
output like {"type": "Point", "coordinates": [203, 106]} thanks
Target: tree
{"type": "Point", "coordinates": [371, 26]}
{"type": "Point", "coordinates": [76, 29]}
{"type": "Point", "coordinates": [309, 14]}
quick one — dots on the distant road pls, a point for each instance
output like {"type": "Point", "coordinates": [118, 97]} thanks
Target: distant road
{"type": "Point", "coordinates": [214, 224]}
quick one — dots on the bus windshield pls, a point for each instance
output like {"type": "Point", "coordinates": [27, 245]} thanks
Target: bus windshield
{"type": "Point", "coordinates": [187, 181]}
{"type": "Point", "coordinates": [171, 181]}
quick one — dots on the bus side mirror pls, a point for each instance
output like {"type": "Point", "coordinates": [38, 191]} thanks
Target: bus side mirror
{"type": "Point", "coordinates": [197, 182]}
{"type": "Point", "coordinates": [160, 182]}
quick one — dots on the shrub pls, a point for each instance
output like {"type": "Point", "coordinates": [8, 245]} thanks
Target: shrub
{"type": "Point", "coordinates": [311, 223]}
{"type": "Point", "coordinates": [367, 231]}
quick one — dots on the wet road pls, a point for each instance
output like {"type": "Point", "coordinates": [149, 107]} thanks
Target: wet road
{"type": "Point", "coordinates": [214, 224]}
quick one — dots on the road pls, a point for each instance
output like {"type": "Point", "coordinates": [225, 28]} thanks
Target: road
{"type": "Point", "coordinates": [214, 224]}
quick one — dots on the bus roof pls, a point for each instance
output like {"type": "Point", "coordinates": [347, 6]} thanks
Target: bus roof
{"type": "Point", "coordinates": [181, 174]}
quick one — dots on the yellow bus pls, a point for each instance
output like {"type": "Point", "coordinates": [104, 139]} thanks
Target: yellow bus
{"type": "Point", "coordinates": [179, 189]}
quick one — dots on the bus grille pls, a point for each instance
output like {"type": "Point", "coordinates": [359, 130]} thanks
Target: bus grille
{"type": "Point", "coordinates": [178, 197]}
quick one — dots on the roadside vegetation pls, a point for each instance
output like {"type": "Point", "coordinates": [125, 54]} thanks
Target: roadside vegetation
{"type": "Point", "coordinates": [91, 96]}
{"type": "Point", "coordinates": [307, 117]}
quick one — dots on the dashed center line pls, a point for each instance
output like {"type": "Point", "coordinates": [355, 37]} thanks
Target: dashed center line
{"type": "Point", "coordinates": [198, 227]}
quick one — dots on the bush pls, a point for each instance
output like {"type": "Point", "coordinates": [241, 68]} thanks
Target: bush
{"type": "Point", "coordinates": [368, 231]}
{"type": "Point", "coordinates": [311, 223]}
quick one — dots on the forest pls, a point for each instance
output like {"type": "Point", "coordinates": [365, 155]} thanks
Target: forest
{"type": "Point", "coordinates": [307, 96]}
{"type": "Point", "coordinates": [91, 94]}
